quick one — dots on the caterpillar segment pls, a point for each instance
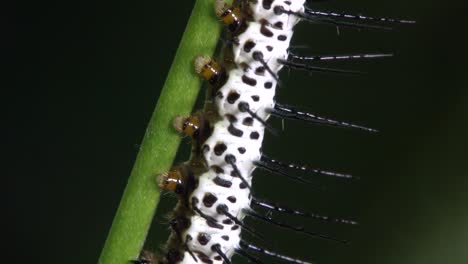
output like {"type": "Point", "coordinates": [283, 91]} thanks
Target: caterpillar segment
{"type": "Point", "coordinates": [214, 187]}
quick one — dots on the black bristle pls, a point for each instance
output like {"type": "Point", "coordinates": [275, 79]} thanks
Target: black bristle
{"type": "Point", "coordinates": [276, 170]}
{"type": "Point", "coordinates": [223, 209]}
{"type": "Point", "coordinates": [244, 107]}
{"type": "Point", "coordinates": [282, 209]}
{"type": "Point", "coordinates": [197, 210]}
{"type": "Point", "coordinates": [217, 249]}
{"type": "Point", "coordinates": [187, 238]}
{"type": "Point", "coordinates": [311, 68]}
{"type": "Point", "coordinates": [279, 164]}
{"type": "Point", "coordinates": [231, 159]}
{"type": "Point", "coordinates": [289, 112]}
{"type": "Point", "coordinates": [339, 57]}
{"type": "Point", "coordinates": [258, 56]}
{"type": "Point", "coordinates": [298, 229]}
{"type": "Point", "coordinates": [264, 251]}
{"type": "Point", "coordinates": [328, 20]}
{"type": "Point", "coordinates": [358, 17]}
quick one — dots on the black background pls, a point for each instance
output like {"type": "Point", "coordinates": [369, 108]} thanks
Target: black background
{"type": "Point", "coordinates": [86, 76]}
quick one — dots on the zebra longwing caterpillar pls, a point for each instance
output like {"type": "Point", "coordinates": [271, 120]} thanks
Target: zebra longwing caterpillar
{"type": "Point", "coordinates": [215, 187]}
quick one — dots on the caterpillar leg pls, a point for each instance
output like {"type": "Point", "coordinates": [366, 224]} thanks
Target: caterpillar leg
{"type": "Point", "coordinates": [146, 257]}
{"type": "Point", "coordinates": [179, 180]}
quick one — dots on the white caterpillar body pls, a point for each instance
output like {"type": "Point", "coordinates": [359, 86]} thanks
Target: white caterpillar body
{"type": "Point", "coordinates": [237, 134]}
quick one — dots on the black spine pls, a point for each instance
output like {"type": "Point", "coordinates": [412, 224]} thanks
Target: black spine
{"type": "Point", "coordinates": [273, 163]}
{"type": "Point", "coordinates": [339, 57]}
{"type": "Point", "coordinates": [282, 209]}
{"type": "Point", "coordinates": [230, 159]}
{"type": "Point", "coordinates": [357, 17]}
{"type": "Point", "coordinates": [264, 251]}
{"type": "Point", "coordinates": [288, 112]}
{"type": "Point", "coordinates": [223, 209]}
{"type": "Point", "coordinates": [311, 68]}
{"type": "Point", "coordinates": [244, 107]}
{"type": "Point", "coordinates": [298, 229]}
{"type": "Point", "coordinates": [328, 20]}
{"type": "Point", "coordinates": [217, 249]}
{"type": "Point", "coordinates": [275, 170]}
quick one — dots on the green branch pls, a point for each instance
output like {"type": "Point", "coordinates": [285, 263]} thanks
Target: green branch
{"type": "Point", "coordinates": [158, 149]}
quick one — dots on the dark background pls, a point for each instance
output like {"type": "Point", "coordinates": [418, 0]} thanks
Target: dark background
{"type": "Point", "coordinates": [86, 76]}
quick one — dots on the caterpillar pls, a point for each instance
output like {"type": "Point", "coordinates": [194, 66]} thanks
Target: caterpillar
{"type": "Point", "coordinates": [214, 188]}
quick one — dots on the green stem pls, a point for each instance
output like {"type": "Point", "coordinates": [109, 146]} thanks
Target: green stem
{"type": "Point", "coordinates": [158, 149]}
